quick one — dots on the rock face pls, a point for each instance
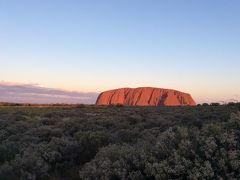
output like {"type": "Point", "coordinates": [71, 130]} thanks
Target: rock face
{"type": "Point", "coordinates": [145, 96]}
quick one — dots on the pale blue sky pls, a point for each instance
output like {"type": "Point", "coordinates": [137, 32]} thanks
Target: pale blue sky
{"type": "Point", "coordinates": [189, 45]}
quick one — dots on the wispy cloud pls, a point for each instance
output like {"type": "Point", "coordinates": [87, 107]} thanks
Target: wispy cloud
{"type": "Point", "coordinates": [33, 93]}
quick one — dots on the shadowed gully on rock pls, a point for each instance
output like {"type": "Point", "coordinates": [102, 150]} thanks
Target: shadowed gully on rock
{"type": "Point", "coordinates": [145, 96]}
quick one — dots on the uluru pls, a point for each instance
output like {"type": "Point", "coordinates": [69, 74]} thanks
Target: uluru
{"type": "Point", "coordinates": [145, 96]}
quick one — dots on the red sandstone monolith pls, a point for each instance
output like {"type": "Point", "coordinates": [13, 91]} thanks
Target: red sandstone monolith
{"type": "Point", "coordinates": [145, 96]}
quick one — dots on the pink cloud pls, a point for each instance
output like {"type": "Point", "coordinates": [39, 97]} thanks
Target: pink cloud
{"type": "Point", "coordinates": [33, 93]}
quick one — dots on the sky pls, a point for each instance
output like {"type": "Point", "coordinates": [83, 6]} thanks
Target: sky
{"type": "Point", "coordinates": [93, 46]}
{"type": "Point", "coordinates": [33, 93]}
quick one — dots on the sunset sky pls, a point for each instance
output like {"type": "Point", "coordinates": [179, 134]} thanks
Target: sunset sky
{"type": "Point", "coordinates": [96, 45]}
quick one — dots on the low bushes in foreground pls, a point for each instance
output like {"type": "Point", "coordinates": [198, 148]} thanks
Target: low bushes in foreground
{"type": "Point", "coordinates": [120, 143]}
